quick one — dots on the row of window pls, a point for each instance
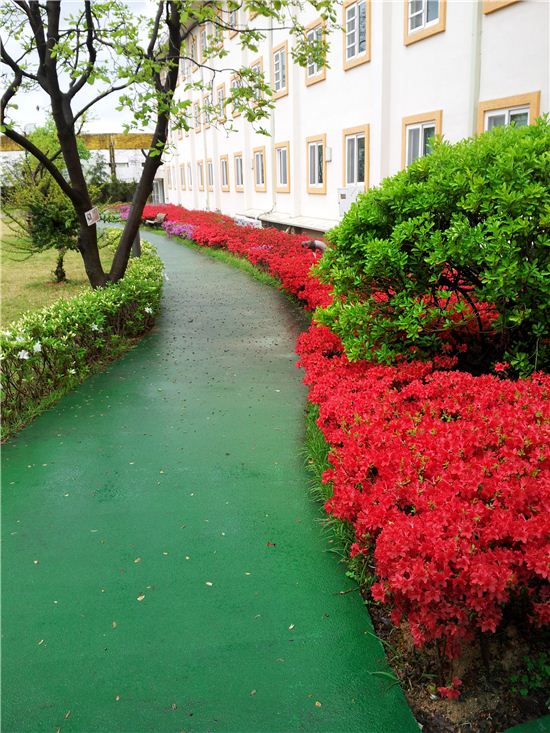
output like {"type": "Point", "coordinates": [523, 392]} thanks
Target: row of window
{"type": "Point", "coordinates": [419, 132]}
{"type": "Point", "coordinates": [422, 18]}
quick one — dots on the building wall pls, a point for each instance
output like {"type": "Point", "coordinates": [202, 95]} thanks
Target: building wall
{"type": "Point", "coordinates": [486, 50]}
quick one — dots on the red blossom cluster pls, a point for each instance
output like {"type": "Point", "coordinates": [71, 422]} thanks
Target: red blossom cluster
{"type": "Point", "coordinates": [443, 475]}
{"type": "Point", "coordinates": [444, 478]}
{"type": "Point", "coordinates": [282, 255]}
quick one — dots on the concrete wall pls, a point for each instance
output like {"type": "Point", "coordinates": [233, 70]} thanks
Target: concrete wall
{"type": "Point", "coordinates": [478, 56]}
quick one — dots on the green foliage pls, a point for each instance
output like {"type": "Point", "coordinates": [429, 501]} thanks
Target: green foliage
{"type": "Point", "coordinates": [454, 248]}
{"type": "Point", "coordinates": [534, 677]}
{"type": "Point", "coordinates": [54, 349]}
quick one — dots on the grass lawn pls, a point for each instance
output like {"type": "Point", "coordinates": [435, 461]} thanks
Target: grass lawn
{"type": "Point", "coordinates": [29, 284]}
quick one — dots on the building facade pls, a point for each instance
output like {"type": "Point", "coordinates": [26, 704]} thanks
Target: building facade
{"type": "Point", "coordinates": [398, 73]}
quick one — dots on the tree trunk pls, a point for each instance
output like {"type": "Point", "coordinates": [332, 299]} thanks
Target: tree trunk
{"type": "Point", "coordinates": [87, 246]}
{"type": "Point", "coordinates": [59, 272]}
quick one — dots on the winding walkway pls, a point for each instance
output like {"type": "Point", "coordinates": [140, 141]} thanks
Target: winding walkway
{"type": "Point", "coordinates": [163, 566]}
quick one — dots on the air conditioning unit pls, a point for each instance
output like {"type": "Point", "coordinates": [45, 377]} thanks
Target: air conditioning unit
{"type": "Point", "coordinates": [346, 197]}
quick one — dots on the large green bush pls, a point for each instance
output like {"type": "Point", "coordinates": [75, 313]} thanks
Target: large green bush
{"type": "Point", "coordinates": [450, 253]}
{"type": "Point", "coordinates": [47, 352]}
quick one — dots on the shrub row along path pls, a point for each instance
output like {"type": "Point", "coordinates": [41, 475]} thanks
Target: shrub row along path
{"type": "Point", "coordinates": [163, 566]}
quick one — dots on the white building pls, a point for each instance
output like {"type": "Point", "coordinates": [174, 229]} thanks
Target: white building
{"type": "Point", "coordinates": [398, 73]}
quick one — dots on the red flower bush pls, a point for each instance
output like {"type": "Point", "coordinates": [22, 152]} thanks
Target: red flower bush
{"type": "Point", "coordinates": [443, 475]}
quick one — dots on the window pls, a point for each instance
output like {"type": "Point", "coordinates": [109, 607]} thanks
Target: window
{"type": "Point", "coordinates": [356, 32]}
{"type": "Point", "coordinates": [210, 174]}
{"type": "Point", "coordinates": [182, 177]}
{"type": "Point", "coordinates": [316, 164]}
{"type": "Point", "coordinates": [224, 173]}
{"type": "Point", "coordinates": [157, 195]}
{"type": "Point", "coordinates": [423, 18]}
{"type": "Point", "coordinates": [521, 109]}
{"type": "Point", "coordinates": [314, 72]}
{"type": "Point", "coordinates": [356, 156]}
{"type": "Point", "coordinates": [204, 43]}
{"type": "Point", "coordinates": [200, 175]}
{"type": "Point", "coordinates": [279, 70]}
{"type": "Point", "coordinates": [207, 110]}
{"type": "Point", "coordinates": [282, 169]}
{"type": "Point", "coordinates": [239, 178]}
{"type": "Point", "coordinates": [419, 132]}
{"type": "Point", "coordinates": [236, 83]}
{"type": "Point", "coordinates": [259, 169]}
{"type": "Point", "coordinates": [258, 68]}
{"type": "Point", "coordinates": [169, 177]}
{"type": "Point", "coordinates": [233, 22]}
{"type": "Point", "coordinates": [197, 116]}
{"type": "Point", "coordinates": [490, 6]}
{"type": "Point", "coordinates": [193, 50]}
{"type": "Point", "coordinates": [190, 176]}
{"type": "Point", "coordinates": [220, 103]}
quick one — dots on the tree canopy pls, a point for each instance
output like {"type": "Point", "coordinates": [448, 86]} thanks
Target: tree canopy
{"type": "Point", "coordinates": [79, 58]}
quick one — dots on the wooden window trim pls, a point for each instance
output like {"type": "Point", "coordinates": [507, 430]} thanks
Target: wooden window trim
{"type": "Point", "coordinates": [188, 179]}
{"type": "Point", "coordinates": [530, 99]}
{"type": "Point", "coordinates": [183, 179]}
{"type": "Point", "coordinates": [232, 33]}
{"type": "Point", "coordinates": [211, 162]}
{"type": "Point", "coordinates": [366, 57]}
{"type": "Point", "coordinates": [236, 155]}
{"type": "Point", "coordinates": [257, 187]}
{"type": "Point", "coordinates": [200, 186]}
{"type": "Point", "coordinates": [489, 6]}
{"type": "Point", "coordinates": [322, 75]}
{"type": "Point", "coordinates": [318, 190]}
{"type": "Point", "coordinates": [205, 113]}
{"type": "Point", "coordinates": [258, 62]}
{"type": "Point", "coordinates": [346, 132]}
{"type": "Point", "coordinates": [279, 146]}
{"type": "Point", "coordinates": [282, 92]}
{"type": "Point", "coordinates": [432, 30]}
{"type": "Point", "coordinates": [222, 187]}
{"type": "Point", "coordinates": [436, 117]}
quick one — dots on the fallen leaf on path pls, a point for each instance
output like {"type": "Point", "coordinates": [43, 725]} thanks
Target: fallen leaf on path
{"type": "Point", "coordinates": [40, 642]}
{"type": "Point", "coordinates": [138, 559]}
{"type": "Point", "coordinates": [174, 706]}
{"type": "Point", "coordinates": [208, 583]}
{"type": "Point", "coordinates": [317, 704]}
{"type": "Point", "coordinates": [141, 596]}
{"type": "Point", "coordinates": [114, 624]}
{"type": "Point", "coordinates": [67, 715]}
{"type": "Point", "coordinates": [291, 627]}
{"type": "Point", "coordinates": [253, 692]}
{"type": "Point", "coordinates": [271, 544]}
{"type": "Point", "coordinates": [36, 562]}
{"type": "Point", "coordinates": [117, 698]}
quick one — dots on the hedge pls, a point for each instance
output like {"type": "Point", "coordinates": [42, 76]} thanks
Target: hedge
{"type": "Point", "coordinates": [49, 351]}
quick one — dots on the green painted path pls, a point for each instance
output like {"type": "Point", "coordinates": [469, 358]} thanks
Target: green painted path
{"type": "Point", "coordinates": [163, 566]}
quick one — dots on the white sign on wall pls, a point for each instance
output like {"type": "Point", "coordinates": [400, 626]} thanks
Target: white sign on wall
{"type": "Point", "coordinates": [92, 216]}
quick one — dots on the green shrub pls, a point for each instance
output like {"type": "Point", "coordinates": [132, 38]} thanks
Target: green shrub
{"type": "Point", "coordinates": [452, 250]}
{"type": "Point", "coordinates": [48, 351]}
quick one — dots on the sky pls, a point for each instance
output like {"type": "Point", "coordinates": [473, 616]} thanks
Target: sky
{"type": "Point", "coordinates": [33, 106]}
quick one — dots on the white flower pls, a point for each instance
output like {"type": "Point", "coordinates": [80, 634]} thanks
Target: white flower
{"type": "Point", "coordinates": [37, 348]}
{"type": "Point", "coordinates": [23, 354]}
{"type": "Point", "coordinates": [72, 371]}
{"type": "Point", "coordinates": [7, 334]}
{"type": "Point", "coordinates": [148, 310]}
{"type": "Point", "coordinates": [95, 327]}
{"type": "Point", "coordinates": [19, 339]}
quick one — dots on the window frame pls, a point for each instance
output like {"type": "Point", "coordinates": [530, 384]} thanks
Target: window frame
{"type": "Point", "coordinates": [283, 91]}
{"type": "Point", "coordinates": [234, 78]}
{"type": "Point", "coordinates": [206, 110]}
{"type": "Point", "coordinates": [222, 113]}
{"type": "Point", "coordinates": [360, 58]}
{"type": "Point", "coordinates": [209, 169]}
{"type": "Point", "coordinates": [353, 132]}
{"type": "Point", "coordinates": [238, 186]}
{"type": "Point", "coordinates": [322, 72]}
{"type": "Point", "coordinates": [200, 175]}
{"type": "Point", "coordinates": [281, 188]}
{"type": "Point", "coordinates": [316, 188]}
{"type": "Point", "coordinates": [197, 115]}
{"type": "Point", "coordinates": [183, 185]}
{"type": "Point", "coordinates": [260, 187]}
{"type": "Point", "coordinates": [189, 176]}
{"type": "Point", "coordinates": [529, 99]}
{"type": "Point", "coordinates": [224, 159]}
{"type": "Point", "coordinates": [436, 117]}
{"type": "Point", "coordinates": [233, 33]}
{"type": "Point", "coordinates": [425, 31]}
{"type": "Point", "coordinates": [260, 63]}
{"type": "Point", "coordinates": [489, 6]}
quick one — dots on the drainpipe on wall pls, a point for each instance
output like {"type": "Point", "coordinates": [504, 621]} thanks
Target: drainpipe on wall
{"type": "Point", "coordinates": [475, 82]}
{"type": "Point", "coordinates": [205, 149]}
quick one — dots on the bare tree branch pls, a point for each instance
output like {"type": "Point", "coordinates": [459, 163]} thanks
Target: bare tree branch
{"type": "Point", "coordinates": [92, 54]}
